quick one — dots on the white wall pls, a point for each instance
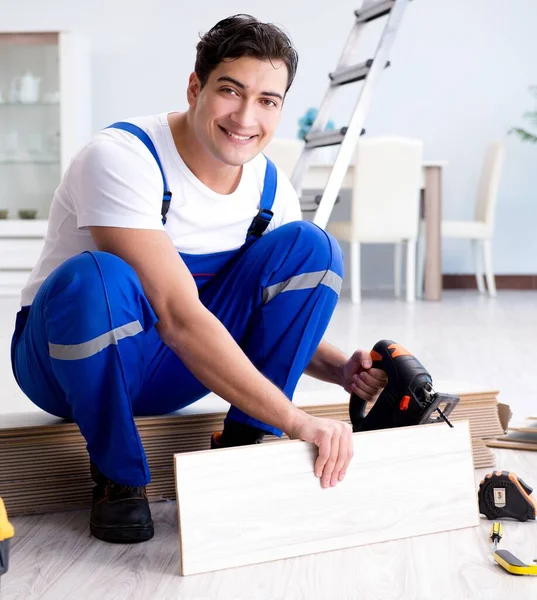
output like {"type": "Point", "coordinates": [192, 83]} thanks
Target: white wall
{"type": "Point", "coordinates": [459, 78]}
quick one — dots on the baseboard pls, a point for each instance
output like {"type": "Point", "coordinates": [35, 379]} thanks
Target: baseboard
{"type": "Point", "coordinates": [503, 282]}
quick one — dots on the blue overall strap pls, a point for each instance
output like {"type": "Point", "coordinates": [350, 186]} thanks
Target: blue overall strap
{"type": "Point", "coordinates": [146, 140]}
{"type": "Point", "coordinates": [264, 216]}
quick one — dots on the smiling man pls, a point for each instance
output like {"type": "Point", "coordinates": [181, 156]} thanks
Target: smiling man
{"type": "Point", "coordinates": [176, 263]}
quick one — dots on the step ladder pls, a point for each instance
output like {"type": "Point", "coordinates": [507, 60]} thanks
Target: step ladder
{"type": "Point", "coordinates": [368, 72]}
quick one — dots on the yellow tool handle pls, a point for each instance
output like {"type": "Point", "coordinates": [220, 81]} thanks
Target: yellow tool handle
{"type": "Point", "coordinates": [6, 528]}
{"type": "Point", "coordinates": [496, 532]}
{"type": "Point", "coordinates": [512, 564]}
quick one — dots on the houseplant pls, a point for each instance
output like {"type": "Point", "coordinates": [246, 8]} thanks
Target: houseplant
{"type": "Point", "coordinates": [524, 134]}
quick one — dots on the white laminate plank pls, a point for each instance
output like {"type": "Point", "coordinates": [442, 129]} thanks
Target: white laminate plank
{"type": "Point", "coordinates": [241, 506]}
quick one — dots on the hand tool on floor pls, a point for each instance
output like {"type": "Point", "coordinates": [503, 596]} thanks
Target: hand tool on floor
{"type": "Point", "coordinates": [407, 399]}
{"type": "Point", "coordinates": [6, 533]}
{"type": "Point", "coordinates": [496, 534]}
{"type": "Point", "coordinates": [506, 559]}
{"type": "Point", "coordinates": [502, 495]}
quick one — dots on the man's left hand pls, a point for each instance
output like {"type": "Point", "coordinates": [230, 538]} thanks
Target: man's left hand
{"type": "Point", "coordinates": [361, 378]}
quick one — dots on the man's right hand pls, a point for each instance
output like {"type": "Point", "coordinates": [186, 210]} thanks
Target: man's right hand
{"type": "Point", "coordinates": [335, 442]}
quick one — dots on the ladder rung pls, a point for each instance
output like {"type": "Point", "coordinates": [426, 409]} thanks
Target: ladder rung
{"type": "Point", "coordinates": [319, 197]}
{"type": "Point", "coordinates": [320, 139]}
{"type": "Point", "coordinates": [310, 203]}
{"type": "Point", "coordinates": [374, 12]}
{"type": "Point", "coordinates": [308, 206]}
{"type": "Point", "coordinates": [352, 74]}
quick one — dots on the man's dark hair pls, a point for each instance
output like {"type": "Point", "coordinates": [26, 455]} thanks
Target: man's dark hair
{"type": "Point", "coordinates": [243, 35]}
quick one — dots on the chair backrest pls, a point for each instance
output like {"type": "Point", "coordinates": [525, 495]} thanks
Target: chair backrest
{"type": "Point", "coordinates": [386, 189]}
{"type": "Point", "coordinates": [284, 153]}
{"type": "Point", "coordinates": [489, 182]}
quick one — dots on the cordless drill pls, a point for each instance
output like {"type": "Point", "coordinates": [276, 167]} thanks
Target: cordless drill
{"type": "Point", "coordinates": [408, 398]}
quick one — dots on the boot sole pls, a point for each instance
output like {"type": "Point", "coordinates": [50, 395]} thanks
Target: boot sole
{"type": "Point", "coordinates": [130, 534]}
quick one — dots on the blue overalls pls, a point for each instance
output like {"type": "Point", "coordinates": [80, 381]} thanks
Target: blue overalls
{"type": "Point", "coordinates": [87, 348]}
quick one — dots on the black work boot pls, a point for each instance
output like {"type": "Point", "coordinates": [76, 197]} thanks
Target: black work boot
{"type": "Point", "coordinates": [236, 434]}
{"type": "Point", "coordinates": [119, 513]}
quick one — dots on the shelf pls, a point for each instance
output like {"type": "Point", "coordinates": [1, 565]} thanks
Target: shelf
{"type": "Point", "coordinates": [29, 104]}
{"type": "Point", "coordinates": [39, 139]}
{"type": "Point", "coordinates": [30, 162]}
{"type": "Point", "coordinates": [23, 228]}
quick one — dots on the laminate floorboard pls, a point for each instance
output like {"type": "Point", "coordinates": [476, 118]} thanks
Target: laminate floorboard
{"type": "Point", "coordinates": [242, 506]}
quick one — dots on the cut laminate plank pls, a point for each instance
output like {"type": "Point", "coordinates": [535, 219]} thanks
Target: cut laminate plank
{"type": "Point", "coordinates": [529, 430]}
{"type": "Point", "coordinates": [241, 506]}
{"type": "Point", "coordinates": [517, 435]}
{"type": "Point", "coordinates": [512, 444]}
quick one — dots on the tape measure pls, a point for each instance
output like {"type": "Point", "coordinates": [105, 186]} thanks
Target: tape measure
{"type": "Point", "coordinates": [502, 494]}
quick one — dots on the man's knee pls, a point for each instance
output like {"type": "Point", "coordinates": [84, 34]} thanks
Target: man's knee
{"type": "Point", "coordinates": [91, 271]}
{"type": "Point", "coordinates": [89, 283]}
{"type": "Point", "coordinates": [324, 248]}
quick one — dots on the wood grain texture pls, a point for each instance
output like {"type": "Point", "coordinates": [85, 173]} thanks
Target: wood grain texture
{"type": "Point", "coordinates": [241, 506]}
{"type": "Point", "coordinates": [513, 444]}
{"type": "Point", "coordinates": [53, 558]}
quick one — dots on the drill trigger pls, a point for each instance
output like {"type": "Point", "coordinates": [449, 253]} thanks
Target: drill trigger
{"type": "Point", "coordinates": [405, 401]}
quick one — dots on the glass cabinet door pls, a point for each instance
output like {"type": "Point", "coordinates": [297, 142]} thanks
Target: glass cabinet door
{"type": "Point", "coordinates": [30, 162]}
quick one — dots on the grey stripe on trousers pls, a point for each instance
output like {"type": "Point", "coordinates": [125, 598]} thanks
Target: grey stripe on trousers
{"type": "Point", "coordinates": [87, 349]}
{"type": "Point", "coordinates": [305, 281]}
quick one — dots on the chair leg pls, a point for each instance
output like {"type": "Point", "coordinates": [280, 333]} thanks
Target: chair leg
{"type": "Point", "coordinates": [489, 273]}
{"type": "Point", "coordinates": [355, 273]}
{"type": "Point", "coordinates": [410, 270]}
{"type": "Point", "coordinates": [478, 261]}
{"type": "Point", "coordinates": [397, 264]}
{"type": "Point", "coordinates": [420, 266]}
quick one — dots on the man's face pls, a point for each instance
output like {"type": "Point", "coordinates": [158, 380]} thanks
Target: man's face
{"type": "Point", "coordinates": [238, 109]}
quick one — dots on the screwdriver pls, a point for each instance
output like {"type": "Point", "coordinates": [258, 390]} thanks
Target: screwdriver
{"type": "Point", "coordinates": [496, 534]}
{"type": "Point", "coordinates": [506, 559]}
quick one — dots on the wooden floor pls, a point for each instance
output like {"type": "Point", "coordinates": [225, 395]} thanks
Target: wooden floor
{"type": "Point", "coordinates": [466, 338]}
{"type": "Point", "coordinates": [54, 558]}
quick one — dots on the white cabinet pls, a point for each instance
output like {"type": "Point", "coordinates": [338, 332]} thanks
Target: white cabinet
{"type": "Point", "coordinates": [45, 118]}
{"type": "Point", "coordinates": [21, 242]}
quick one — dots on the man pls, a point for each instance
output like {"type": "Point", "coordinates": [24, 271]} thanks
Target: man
{"type": "Point", "coordinates": [176, 263]}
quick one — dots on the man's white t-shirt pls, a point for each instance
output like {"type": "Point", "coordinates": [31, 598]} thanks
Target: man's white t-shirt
{"type": "Point", "coordinates": [114, 181]}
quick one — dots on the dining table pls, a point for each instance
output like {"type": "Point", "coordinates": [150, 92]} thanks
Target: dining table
{"type": "Point", "coordinates": [317, 176]}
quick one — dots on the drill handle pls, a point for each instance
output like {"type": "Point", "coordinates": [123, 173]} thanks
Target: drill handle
{"type": "Point", "coordinates": [358, 405]}
{"type": "Point", "coordinates": [401, 368]}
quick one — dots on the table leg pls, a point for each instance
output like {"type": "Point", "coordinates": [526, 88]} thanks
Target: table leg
{"type": "Point", "coordinates": [433, 238]}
